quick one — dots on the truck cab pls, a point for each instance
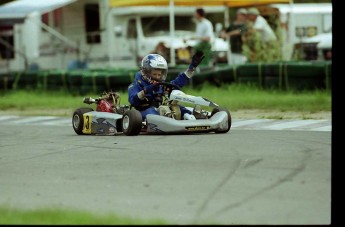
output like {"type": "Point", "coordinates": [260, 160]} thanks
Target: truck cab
{"type": "Point", "coordinates": [138, 32]}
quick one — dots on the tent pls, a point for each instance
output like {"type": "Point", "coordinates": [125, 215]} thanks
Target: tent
{"type": "Point", "coordinates": [21, 8]}
{"type": "Point", "coordinates": [172, 3]}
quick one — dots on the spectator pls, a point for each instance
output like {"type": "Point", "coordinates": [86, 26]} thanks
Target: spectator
{"type": "Point", "coordinates": [260, 39]}
{"type": "Point", "coordinates": [204, 35]}
{"type": "Point", "coordinates": [260, 24]}
{"type": "Point", "coordinates": [235, 31]}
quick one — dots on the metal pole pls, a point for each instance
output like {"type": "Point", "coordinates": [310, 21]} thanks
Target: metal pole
{"type": "Point", "coordinates": [227, 24]}
{"type": "Point", "coordinates": [291, 30]}
{"type": "Point", "coordinates": [172, 32]}
{"type": "Point", "coordinates": [226, 16]}
{"type": "Point", "coordinates": [61, 37]}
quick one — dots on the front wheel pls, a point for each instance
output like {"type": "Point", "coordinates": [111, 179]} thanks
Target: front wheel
{"type": "Point", "coordinates": [78, 119]}
{"type": "Point", "coordinates": [131, 122]}
{"type": "Point", "coordinates": [217, 109]}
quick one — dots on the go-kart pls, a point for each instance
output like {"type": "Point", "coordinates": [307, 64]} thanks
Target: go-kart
{"type": "Point", "coordinates": [110, 117]}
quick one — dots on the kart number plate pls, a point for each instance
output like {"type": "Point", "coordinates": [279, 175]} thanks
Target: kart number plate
{"type": "Point", "coordinates": [87, 123]}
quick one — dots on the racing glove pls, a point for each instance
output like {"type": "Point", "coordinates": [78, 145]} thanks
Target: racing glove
{"type": "Point", "coordinates": [147, 90]}
{"type": "Point", "coordinates": [196, 60]}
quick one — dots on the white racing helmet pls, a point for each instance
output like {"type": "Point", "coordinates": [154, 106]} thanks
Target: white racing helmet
{"type": "Point", "coordinates": [154, 61]}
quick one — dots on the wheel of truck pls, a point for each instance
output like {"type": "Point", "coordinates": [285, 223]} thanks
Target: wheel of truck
{"type": "Point", "coordinates": [217, 109]}
{"type": "Point", "coordinates": [78, 119]}
{"type": "Point", "coordinates": [131, 122]}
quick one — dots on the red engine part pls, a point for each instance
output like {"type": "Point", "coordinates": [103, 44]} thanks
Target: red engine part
{"type": "Point", "coordinates": [105, 106]}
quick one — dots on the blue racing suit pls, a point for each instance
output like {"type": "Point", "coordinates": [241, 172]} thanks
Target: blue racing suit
{"type": "Point", "coordinates": [151, 101]}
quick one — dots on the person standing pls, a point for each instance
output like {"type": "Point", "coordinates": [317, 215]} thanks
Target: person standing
{"type": "Point", "coordinates": [235, 32]}
{"type": "Point", "coordinates": [261, 25]}
{"type": "Point", "coordinates": [204, 35]}
{"type": "Point", "coordinates": [261, 41]}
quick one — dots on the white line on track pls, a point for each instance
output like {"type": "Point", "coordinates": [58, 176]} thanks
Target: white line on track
{"type": "Point", "coordinates": [291, 124]}
{"type": "Point", "coordinates": [4, 118]}
{"type": "Point", "coordinates": [248, 122]}
{"type": "Point", "coordinates": [327, 128]}
{"type": "Point", "coordinates": [34, 119]}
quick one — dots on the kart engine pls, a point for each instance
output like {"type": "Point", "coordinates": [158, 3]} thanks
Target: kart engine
{"type": "Point", "coordinates": [108, 102]}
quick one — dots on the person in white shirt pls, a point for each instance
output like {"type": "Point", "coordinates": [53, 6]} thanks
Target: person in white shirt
{"type": "Point", "coordinates": [261, 25]}
{"type": "Point", "coordinates": [204, 35]}
{"type": "Point", "coordinates": [260, 42]}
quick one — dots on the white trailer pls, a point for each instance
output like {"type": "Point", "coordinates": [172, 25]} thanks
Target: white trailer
{"type": "Point", "coordinates": [303, 23]}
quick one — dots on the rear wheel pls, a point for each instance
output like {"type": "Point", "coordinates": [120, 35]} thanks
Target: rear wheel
{"type": "Point", "coordinates": [131, 122]}
{"type": "Point", "coordinates": [78, 119]}
{"type": "Point", "coordinates": [216, 110]}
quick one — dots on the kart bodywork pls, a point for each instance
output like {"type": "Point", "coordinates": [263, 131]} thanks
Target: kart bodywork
{"type": "Point", "coordinates": [158, 124]}
{"type": "Point", "coordinates": [101, 123]}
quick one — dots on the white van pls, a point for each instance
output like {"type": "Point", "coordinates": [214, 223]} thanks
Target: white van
{"type": "Point", "coordinates": [138, 31]}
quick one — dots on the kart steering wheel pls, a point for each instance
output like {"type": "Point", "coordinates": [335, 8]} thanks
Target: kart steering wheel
{"type": "Point", "coordinates": [169, 86]}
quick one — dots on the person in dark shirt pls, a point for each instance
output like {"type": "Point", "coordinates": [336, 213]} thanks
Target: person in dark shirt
{"type": "Point", "coordinates": [235, 31]}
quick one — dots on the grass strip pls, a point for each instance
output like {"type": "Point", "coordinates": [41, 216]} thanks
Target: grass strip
{"type": "Point", "coordinates": [67, 217]}
{"type": "Point", "coordinates": [234, 97]}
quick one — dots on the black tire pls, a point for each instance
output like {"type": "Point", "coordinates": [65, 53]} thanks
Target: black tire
{"type": "Point", "coordinates": [217, 109]}
{"type": "Point", "coordinates": [78, 119]}
{"type": "Point", "coordinates": [132, 122]}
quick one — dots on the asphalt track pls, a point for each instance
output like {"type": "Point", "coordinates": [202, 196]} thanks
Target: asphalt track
{"type": "Point", "coordinates": [261, 176]}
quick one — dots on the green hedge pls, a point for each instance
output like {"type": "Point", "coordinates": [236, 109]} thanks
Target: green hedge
{"type": "Point", "coordinates": [287, 75]}
{"type": "Point", "coordinates": [281, 75]}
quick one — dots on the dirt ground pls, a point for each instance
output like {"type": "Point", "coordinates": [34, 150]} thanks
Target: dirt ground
{"type": "Point", "coordinates": [239, 114]}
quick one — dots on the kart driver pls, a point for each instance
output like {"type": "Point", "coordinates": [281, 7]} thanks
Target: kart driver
{"type": "Point", "coordinates": [145, 95]}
